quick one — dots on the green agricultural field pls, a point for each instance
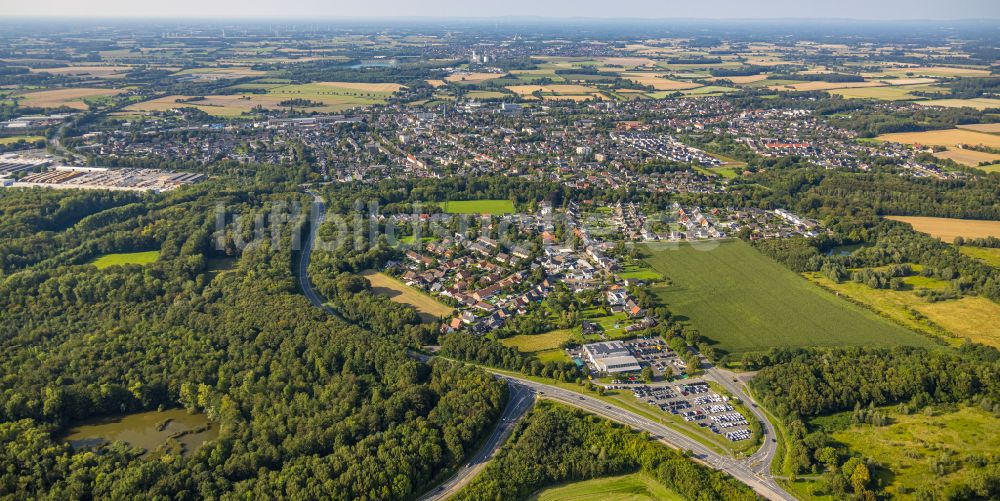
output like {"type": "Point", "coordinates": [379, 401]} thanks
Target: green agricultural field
{"type": "Point", "coordinates": [744, 301]}
{"type": "Point", "coordinates": [479, 207]}
{"type": "Point", "coordinates": [634, 487]}
{"type": "Point", "coordinates": [140, 258]}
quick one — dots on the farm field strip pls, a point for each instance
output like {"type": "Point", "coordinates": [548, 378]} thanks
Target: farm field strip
{"type": "Point", "coordinates": [744, 301]}
{"type": "Point", "coordinates": [948, 228]}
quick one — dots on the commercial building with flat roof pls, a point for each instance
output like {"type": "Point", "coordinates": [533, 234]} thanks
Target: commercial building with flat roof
{"type": "Point", "coordinates": [611, 356]}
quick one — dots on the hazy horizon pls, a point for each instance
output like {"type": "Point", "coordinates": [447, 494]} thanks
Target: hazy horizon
{"type": "Point", "coordinates": [732, 10]}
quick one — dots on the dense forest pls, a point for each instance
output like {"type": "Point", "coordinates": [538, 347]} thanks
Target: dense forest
{"type": "Point", "coordinates": [307, 406]}
{"type": "Point", "coordinates": [558, 444]}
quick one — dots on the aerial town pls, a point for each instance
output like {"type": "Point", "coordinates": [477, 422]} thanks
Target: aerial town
{"type": "Point", "coordinates": [499, 258]}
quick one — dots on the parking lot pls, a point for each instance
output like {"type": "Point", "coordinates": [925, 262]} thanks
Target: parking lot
{"type": "Point", "coordinates": [694, 402]}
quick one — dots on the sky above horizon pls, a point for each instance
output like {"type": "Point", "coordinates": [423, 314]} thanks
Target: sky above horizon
{"type": "Point", "coordinates": [652, 9]}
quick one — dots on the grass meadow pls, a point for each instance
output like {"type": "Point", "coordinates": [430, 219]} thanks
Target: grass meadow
{"type": "Point", "coordinates": [140, 258]}
{"type": "Point", "coordinates": [634, 487]}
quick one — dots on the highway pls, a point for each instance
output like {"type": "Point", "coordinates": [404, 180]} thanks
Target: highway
{"type": "Point", "coordinates": [758, 481]}
{"type": "Point", "coordinates": [520, 399]}
{"type": "Point", "coordinates": [316, 215]}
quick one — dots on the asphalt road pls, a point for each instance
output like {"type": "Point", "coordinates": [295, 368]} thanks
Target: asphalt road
{"type": "Point", "coordinates": [759, 481]}
{"type": "Point", "coordinates": [521, 399]}
{"type": "Point", "coordinates": [761, 460]}
{"type": "Point", "coordinates": [317, 215]}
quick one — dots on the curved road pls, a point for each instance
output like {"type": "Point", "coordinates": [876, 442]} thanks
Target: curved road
{"type": "Point", "coordinates": [754, 472]}
{"type": "Point", "coordinates": [759, 481]}
{"type": "Point", "coordinates": [761, 460]}
{"type": "Point", "coordinates": [317, 214]}
{"type": "Point", "coordinates": [520, 399]}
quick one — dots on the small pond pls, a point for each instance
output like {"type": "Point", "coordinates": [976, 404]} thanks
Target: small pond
{"type": "Point", "coordinates": [175, 431]}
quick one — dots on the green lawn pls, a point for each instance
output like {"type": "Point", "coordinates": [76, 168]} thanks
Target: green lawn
{"type": "Point", "coordinates": [744, 301]}
{"type": "Point", "coordinates": [479, 207]}
{"type": "Point", "coordinates": [639, 272]}
{"type": "Point", "coordinates": [140, 258]}
{"type": "Point", "coordinates": [634, 487]}
{"type": "Point", "coordinates": [539, 342]}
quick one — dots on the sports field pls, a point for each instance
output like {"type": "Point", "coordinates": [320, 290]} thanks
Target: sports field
{"type": "Point", "coordinates": [948, 228]}
{"type": "Point", "coordinates": [634, 487]}
{"type": "Point", "coordinates": [428, 308]}
{"type": "Point", "coordinates": [479, 207]}
{"type": "Point", "coordinates": [744, 301]}
{"type": "Point", "coordinates": [140, 258]}
{"type": "Point", "coordinates": [947, 137]}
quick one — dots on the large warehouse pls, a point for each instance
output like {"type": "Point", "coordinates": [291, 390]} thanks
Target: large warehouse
{"type": "Point", "coordinates": [611, 357]}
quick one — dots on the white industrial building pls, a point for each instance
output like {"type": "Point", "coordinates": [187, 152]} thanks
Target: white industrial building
{"type": "Point", "coordinates": [611, 357]}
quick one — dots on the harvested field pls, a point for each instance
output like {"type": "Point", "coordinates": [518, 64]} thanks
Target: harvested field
{"type": "Point", "coordinates": [71, 98]}
{"type": "Point", "coordinates": [971, 158]}
{"type": "Point", "coordinates": [887, 93]}
{"type": "Point", "coordinates": [947, 228]}
{"type": "Point", "coordinates": [938, 71]}
{"type": "Point", "coordinates": [908, 81]}
{"type": "Point", "coordinates": [436, 83]}
{"type": "Point", "coordinates": [947, 137]}
{"type": "Point", "coordinates": [808, 86]}
{"type": "Point", "coordinates": [428, 308]}
{"type": "Point", "coordinates": [980, 103]}
{"type": "Point", "coordinates": [472, 77]}
{"type": "Point", "coordinates": [220, 73]}
{"type": "Point", "coordinates": [741, 79]}
{"type": "Point", "coordinates": [659, 82]}
{"type": "Point", "coordinates": [987, 128]}
{"type": "Point", "coordinates": [556, 89]}
{"type": "Point", "coordinates": [86, 71]}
